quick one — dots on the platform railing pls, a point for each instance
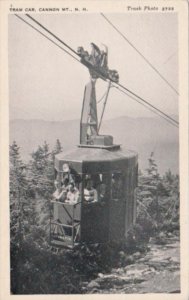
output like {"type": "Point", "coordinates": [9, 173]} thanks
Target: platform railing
{"type": "Point", "coordinates": [65, 225]}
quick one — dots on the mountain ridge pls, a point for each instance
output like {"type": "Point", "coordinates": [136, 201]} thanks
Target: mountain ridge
{"type": "Point", "coordinates": [143, 135]}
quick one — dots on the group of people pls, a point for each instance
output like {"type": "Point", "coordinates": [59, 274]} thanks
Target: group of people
{"type": "Point", "coordinates": [66, 192]}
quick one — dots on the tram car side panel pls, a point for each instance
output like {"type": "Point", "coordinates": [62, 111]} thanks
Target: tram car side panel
{"type": "Point", "coordinates": [95, 213]}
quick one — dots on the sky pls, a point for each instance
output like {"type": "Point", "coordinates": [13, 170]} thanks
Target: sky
{"type": "Point", "coordinates": [45, 83]}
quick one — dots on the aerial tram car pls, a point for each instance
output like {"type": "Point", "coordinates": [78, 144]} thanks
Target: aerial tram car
{"type": "Point", "coordinates": [94, 201]}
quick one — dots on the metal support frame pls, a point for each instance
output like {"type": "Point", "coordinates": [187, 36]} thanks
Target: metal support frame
{"type": "Point", "coordinates": [89, 119]}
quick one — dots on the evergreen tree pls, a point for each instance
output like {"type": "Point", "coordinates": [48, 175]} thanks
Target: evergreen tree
{"type": "Point", "coordinates": [155, 181]}
{"type": "Point", "coordinates": [157, 199]}
{"type": "Point", "coordinates": [148, 198]}
{"type": "Point", "coordinates": [41, 171]}
{"type": "Point", "coordinates": [172, 203]}
{"type": "Point", "coordinates": [57, 149]}
{"type": "Point", "coordinates": [18, 195]}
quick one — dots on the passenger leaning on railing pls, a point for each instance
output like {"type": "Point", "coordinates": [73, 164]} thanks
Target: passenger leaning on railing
{"type": "Point", "coordinates": [65, 184]}
{"type": "Point", "coordinates": [60, 194]}
{"type": "Point", "coordinates": [72, 194]}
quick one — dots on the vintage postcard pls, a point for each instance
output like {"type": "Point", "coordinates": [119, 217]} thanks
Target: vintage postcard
{"type": "Point", "coordinates": [94, 149]}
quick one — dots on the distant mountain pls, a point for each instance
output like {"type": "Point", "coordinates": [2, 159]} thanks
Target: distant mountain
{"type": "Point", "coordinates": [143, 135]}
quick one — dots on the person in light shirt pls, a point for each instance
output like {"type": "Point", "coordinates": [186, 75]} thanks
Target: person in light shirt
{"type": "Point", "coordinates": [90, 193]}
{"type": "Point", "coordinates": [59, 194]}
{"type": "Point", "coordinates": [72, 195]}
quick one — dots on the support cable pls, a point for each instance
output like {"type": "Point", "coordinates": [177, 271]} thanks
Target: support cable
{"type": "Point", "coordinates": [149, 104]}
{"type": "Point", "coordinates": [146, 60]}
{"type": "Point", "coordinates": [34, 20]}
{"type": "Point", "coordinates": [103, 96]}
{"type": "Point", "coordinates": [152, 110]}
{"type": "Point", "coordinates": [46, 37]}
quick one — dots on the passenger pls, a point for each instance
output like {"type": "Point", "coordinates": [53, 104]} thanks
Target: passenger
{"type": "Point", "coordinates": [66, 184]}
{"type": "Point", "coordinates": [90, 193]}
{"type": "Point", "coordinates": [59, 194]}
{"type": "Point", "coordinates": [73, 194]}
{"type": "Point", "coordinates": [56, 184]}
{"type": "Point", "coordinates": [58, 180]}
{"type": "Point", "coordinates": [102, 190]}
{"type": "Point", "coordinates": [116, 187]}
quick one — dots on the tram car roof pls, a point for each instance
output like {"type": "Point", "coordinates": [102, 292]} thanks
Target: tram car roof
{"type": "Point", "coordinates": [94, 160]}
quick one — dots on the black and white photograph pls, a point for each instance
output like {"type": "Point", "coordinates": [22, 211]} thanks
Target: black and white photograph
{"type": "Point", "coordinates": [94, 145]}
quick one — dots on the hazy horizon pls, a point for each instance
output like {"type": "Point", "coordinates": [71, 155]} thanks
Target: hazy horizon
{"type": "Point", "coordinates": [106, 119]}
{"type": "Point", "coordinates": [139, 134]}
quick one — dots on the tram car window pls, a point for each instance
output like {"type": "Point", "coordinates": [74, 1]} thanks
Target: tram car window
{"type": "Point", "coordinates": [117, 186]}
{"type": "Point", "coordinates": [90, 192]}
{"type": "Point", "coordinates": [95, 187]}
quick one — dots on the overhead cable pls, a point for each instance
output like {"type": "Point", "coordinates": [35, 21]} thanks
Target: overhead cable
{"type": "Point", "coordinates": [148, 103]}
{"type": "Point", "coordinates": [46, 37]}
{"type": "Point", "coordinates": [146, 60]}
{"type": "Point", "coordinates": [145, 105]}
{"type": "Point", "coordinates": [52, 34]}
